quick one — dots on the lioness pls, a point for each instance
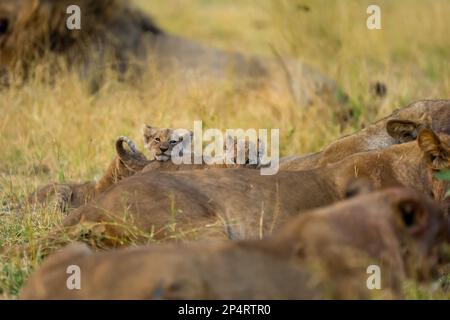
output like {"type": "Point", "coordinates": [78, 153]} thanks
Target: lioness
{"type": "Point", "coordinates": [401, 126]}
{"type": "Point", "coordinates": [324, 253]}
{"type": "Point", "coordinates": [239, 203]}
{"type": "Point", "coordinates": [159, 141]}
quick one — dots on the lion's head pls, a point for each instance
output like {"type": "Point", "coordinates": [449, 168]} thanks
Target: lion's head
{"type": "Point", "coordinates": [31, 28]}
{"type": "Point", "coordinates": [161, 141]}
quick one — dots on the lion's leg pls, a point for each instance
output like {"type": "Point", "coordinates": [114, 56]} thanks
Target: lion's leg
{"type": "Point", "coordinates": [57, 195]}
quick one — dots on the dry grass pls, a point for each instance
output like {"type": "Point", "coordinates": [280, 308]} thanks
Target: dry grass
{"type": "Point", "coordinates": [61, 132]}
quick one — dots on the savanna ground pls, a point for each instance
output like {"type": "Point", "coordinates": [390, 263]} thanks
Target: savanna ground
{"type": "Point", "coordinates": [60, 132]}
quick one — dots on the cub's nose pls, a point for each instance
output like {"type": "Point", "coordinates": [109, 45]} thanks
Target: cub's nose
{"type": "Point", "coordinates": [164, 148]}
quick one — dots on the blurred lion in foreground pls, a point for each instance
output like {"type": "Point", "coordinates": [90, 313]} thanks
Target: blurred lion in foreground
{"type": "Point", "coordinates": [115, 35]}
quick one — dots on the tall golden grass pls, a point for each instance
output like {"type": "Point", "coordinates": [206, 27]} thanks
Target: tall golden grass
{"type": "Point", "coordinates": [61, 132]}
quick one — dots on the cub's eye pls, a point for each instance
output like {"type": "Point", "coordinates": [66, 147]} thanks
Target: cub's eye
{"type": "Point", "coordinates": [157, 139]}
{"type": "Point", "coordinates": [4, 23]}
{"type": "Point", "coordinates": [173, 142]}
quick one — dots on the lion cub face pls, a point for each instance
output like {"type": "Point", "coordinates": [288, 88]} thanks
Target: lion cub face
{"type": "Point", "coordinates": [161, 141]}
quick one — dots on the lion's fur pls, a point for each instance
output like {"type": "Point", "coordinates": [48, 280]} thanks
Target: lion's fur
{"type": "Point", "coordinates": [321, 254]}
{"type": "Point", "coordinates": [242, 204]}
{"type": "Point", "coordinates": [401, 126]}
{"type": "Point", "coordinates": [115, 33]}
{"type": "Point", "coordinates": [67, 196]}
{"type": "Point", "coordinates": [161, 141]}
{"type": "Point", "coordinates": [39, 27]}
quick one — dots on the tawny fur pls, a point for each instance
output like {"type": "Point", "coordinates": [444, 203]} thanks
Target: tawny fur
{"type": "Point", "coordinates": [401, 126]}
{"type": "Point", "coordinates": [228, 204]}
{"type": "Point", "coordinates": [114, 33]}
{"type": "Point", "coordinates": [321, 254]}
{"type": "Point", "coordinates": [66, 196]}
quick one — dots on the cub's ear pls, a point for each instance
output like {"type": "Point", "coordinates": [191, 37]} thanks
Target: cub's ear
{"type": "Point", "coordinates": [358, 186]}
{"type": "Point", "coordinates": [184, 135]}
{"type": "Point", "coordinates": [410, 215]}
{"type": "Point", "coordinates": [435, 151]}
{"type": "Point", "coordinates": [147, 130]}
{"type": "Point", "coordinates": [403, 130]}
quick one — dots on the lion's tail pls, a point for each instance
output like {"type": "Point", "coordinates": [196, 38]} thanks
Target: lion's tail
{"type": "Point", "coordinates": [121, 151]}
{"type": "Point", "coordinates": [131, 158]}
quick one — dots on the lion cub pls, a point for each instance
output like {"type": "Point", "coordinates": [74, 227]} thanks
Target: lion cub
{"type": "Point", "coordinates": [159, 141]}
{"type": "Point", "coordinates": [162, 141]}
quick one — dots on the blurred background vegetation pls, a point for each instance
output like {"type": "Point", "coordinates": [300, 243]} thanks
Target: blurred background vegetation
{"type": "Point", "coordinates": [413, 44]}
